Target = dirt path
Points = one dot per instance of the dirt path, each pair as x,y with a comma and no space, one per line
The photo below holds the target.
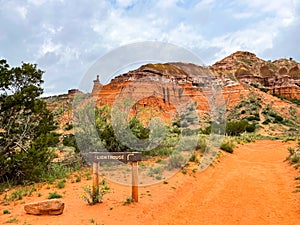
252,186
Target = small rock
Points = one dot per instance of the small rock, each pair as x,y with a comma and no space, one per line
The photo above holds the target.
47,207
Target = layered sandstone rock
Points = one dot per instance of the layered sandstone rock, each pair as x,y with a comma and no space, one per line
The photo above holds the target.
278,77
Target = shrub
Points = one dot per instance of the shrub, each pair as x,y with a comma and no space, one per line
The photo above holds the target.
53,195
61,184
294,155
6,211
155,170
295,159
227,146
128,201
176,161
158,177
235,128
69,140
250,128
202,143
94,197
194,158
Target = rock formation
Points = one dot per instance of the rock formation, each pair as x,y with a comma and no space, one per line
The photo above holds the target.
47,207
165,89
280,77
97,87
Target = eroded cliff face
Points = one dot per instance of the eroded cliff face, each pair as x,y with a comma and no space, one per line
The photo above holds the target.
164,90
167,89
278,77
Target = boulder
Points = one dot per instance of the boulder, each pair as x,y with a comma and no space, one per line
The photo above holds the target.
47,207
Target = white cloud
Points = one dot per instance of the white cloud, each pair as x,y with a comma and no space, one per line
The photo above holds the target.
243,15
37,2
49,47
63,35
22,11
167,3
265,22
126,3
205,4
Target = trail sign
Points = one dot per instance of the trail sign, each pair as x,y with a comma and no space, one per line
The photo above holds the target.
124,157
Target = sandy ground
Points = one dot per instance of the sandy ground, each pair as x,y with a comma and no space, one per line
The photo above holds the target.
252,186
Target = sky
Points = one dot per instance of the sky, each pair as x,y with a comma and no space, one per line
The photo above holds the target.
66,37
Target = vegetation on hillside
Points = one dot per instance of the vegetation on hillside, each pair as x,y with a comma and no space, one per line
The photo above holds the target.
25,123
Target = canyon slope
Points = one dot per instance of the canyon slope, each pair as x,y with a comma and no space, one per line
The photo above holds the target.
240,86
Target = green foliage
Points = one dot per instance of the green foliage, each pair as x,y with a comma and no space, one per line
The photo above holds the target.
6,211
53,195
201,143
160,151
254,85
194,158
155,171
176,161
12,220
70,141
69,126
19,193
227,146
61,184
293,100
189,117
95,196
57,171
236,128
92,221
128,201
294,155
24,152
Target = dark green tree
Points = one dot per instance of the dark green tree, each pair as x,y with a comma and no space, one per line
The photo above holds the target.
25,124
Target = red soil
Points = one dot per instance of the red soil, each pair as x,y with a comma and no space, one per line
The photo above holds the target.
252,186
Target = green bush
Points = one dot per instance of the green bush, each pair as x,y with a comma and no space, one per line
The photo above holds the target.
53,195
194,158
202,143
69,140
266,122
227,146
236,128
94,197
61,184
176,161
250,128
155,171
6,211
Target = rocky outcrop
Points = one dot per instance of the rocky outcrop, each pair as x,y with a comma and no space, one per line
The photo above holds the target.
47,207
97,87
166,89
278,77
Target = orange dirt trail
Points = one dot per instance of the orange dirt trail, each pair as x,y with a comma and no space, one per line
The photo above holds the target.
252,186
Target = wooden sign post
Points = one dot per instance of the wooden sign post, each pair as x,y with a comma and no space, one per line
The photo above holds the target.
95,178
124,157
135,182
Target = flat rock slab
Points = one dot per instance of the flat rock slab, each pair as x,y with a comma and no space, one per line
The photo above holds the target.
47,207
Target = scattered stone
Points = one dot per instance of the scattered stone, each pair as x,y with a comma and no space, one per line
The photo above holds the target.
47,207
